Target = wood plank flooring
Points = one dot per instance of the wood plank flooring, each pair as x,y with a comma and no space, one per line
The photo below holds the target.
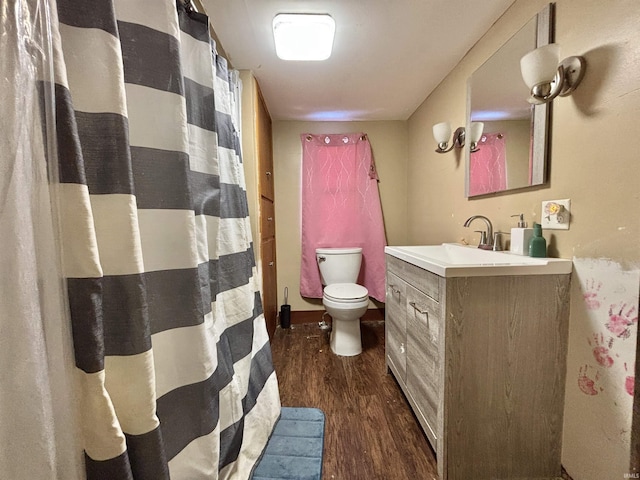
370,431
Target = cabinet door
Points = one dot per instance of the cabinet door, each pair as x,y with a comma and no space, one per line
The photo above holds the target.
264,155
396,325
267,219
265,149
423,364
269,303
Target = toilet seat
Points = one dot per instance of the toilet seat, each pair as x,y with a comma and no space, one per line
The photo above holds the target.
346,293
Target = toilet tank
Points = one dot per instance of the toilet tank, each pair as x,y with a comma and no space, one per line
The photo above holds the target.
339,265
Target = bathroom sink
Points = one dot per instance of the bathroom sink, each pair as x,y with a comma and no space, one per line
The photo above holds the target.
455,260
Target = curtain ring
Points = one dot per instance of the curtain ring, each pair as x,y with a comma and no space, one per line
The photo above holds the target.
309,137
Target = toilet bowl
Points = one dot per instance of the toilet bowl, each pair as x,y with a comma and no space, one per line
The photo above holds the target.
346,303
342,298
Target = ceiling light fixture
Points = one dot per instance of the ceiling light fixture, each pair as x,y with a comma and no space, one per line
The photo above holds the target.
302,36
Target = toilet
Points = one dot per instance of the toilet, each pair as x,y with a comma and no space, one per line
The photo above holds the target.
342,297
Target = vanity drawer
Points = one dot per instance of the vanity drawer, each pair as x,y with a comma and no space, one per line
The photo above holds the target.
423,335
426,282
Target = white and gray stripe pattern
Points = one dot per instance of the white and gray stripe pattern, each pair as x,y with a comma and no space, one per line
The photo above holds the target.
167,318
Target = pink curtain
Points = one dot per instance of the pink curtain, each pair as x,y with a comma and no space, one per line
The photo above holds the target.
341,208
487,167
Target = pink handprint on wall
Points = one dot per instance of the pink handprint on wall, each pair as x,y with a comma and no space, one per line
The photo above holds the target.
587,381
621,319
629,381
602,350
629,384
590,296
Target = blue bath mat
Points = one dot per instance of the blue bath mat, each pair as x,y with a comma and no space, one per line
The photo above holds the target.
294,450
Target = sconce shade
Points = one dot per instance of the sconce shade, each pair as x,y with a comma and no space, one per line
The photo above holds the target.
476,131
540,65
442,132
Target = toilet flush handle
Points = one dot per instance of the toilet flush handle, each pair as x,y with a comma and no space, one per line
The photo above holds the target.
321,258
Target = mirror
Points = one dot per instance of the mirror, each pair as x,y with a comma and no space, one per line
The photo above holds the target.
512,152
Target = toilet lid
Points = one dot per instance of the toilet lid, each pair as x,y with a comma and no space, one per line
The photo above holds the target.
346,292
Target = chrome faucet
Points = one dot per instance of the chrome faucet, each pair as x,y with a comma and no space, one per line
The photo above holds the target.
486,237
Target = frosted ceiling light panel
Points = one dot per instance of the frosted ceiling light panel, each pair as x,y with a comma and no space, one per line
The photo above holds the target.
303,36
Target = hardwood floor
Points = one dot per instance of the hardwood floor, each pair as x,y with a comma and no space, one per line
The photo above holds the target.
370,431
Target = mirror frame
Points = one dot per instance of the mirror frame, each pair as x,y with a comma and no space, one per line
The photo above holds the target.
540,119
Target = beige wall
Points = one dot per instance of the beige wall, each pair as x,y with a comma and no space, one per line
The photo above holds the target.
594,162
597,174
250,153
389,144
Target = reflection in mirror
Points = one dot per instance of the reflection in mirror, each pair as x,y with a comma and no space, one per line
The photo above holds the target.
512,150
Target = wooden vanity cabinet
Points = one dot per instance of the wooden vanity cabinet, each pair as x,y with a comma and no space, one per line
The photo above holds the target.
482,361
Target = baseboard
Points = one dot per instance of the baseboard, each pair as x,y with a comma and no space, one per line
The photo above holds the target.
300,317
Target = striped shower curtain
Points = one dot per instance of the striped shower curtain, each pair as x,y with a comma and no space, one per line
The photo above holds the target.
171,349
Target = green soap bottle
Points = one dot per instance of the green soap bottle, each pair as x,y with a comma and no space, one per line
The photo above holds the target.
537,244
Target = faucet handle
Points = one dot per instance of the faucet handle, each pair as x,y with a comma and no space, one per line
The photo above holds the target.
497,243
483,237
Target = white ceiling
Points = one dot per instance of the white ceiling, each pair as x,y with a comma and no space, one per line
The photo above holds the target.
388,55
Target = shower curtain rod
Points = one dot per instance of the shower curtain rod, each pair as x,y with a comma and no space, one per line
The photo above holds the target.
362,137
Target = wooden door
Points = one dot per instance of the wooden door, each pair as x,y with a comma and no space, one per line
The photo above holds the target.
267,219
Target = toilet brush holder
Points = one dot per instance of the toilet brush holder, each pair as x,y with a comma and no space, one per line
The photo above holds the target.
285,311
285,316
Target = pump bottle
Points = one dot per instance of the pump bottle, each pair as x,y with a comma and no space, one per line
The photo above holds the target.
520,237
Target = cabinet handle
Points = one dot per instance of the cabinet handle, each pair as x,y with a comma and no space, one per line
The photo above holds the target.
402,348
268,174
394,289
418,309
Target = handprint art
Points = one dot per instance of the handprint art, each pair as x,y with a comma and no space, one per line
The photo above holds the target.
621,318
602,350
588,380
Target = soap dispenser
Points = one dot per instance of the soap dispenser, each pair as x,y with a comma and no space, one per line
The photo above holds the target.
537,244
520,237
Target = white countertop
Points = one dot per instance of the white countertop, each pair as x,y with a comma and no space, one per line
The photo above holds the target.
455,260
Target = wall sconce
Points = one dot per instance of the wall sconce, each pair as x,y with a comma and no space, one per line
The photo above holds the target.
547,77
476,134
442,132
